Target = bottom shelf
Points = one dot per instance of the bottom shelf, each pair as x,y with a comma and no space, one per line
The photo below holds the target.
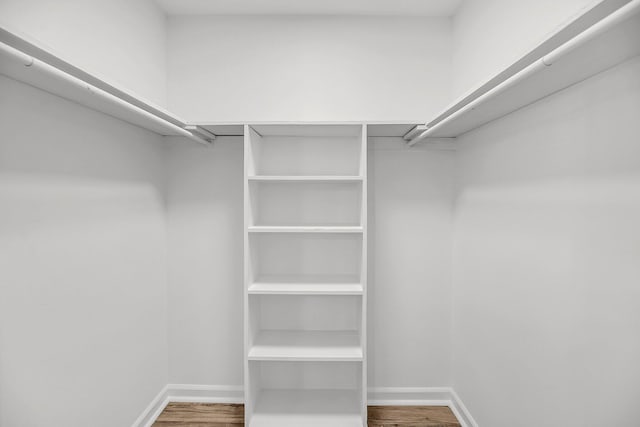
308,408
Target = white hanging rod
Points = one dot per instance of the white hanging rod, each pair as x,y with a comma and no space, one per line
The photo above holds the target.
594,31
40,74
548,60
33,48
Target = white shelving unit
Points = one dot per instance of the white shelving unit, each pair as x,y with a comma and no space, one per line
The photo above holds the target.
305,274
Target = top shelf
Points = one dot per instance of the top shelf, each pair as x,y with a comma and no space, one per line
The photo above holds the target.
308,130
386,129
552,66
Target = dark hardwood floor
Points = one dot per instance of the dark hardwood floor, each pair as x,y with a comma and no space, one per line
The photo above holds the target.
232,415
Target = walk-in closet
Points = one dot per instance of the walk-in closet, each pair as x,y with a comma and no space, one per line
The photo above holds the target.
305,213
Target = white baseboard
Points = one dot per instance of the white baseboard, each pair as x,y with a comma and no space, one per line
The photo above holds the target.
403,396
397,396
188,393
205,393
153,411
422,396
460,411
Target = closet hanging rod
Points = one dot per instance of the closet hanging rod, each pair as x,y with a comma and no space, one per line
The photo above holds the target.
594,31
44,76
33,48
600,27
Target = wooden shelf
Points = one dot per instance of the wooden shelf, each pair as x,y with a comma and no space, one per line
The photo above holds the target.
342,346
303,178
308,408
304,229
609,42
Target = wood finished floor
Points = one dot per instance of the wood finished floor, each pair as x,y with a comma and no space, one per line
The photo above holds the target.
232,415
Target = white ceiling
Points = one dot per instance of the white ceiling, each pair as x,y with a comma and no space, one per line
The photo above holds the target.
435,8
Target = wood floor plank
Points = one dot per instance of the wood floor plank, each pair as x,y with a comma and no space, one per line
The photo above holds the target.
213,414
232,415
188,424
411,416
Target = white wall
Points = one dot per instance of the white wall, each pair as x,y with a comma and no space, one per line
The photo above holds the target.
409,316
205,225
123,41
409,300
286,68
489,35
226,68
546,249
82,264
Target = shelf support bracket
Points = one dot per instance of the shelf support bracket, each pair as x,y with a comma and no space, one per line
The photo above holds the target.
413,132
201,132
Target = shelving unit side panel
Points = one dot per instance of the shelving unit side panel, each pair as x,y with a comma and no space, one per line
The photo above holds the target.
364,155
249,381
252,149
254,142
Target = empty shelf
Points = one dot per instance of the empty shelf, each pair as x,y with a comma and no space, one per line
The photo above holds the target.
306,289
307,346
339,284
304,229
303,178
308,408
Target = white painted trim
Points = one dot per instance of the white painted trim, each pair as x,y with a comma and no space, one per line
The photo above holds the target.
460,411
204,387
430,396
202,393
402,396
153,411
399,396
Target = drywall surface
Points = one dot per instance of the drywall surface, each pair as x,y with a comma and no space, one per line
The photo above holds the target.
82,264
122,41
409,293
303,68
205,229
410,211
546,250
489,35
